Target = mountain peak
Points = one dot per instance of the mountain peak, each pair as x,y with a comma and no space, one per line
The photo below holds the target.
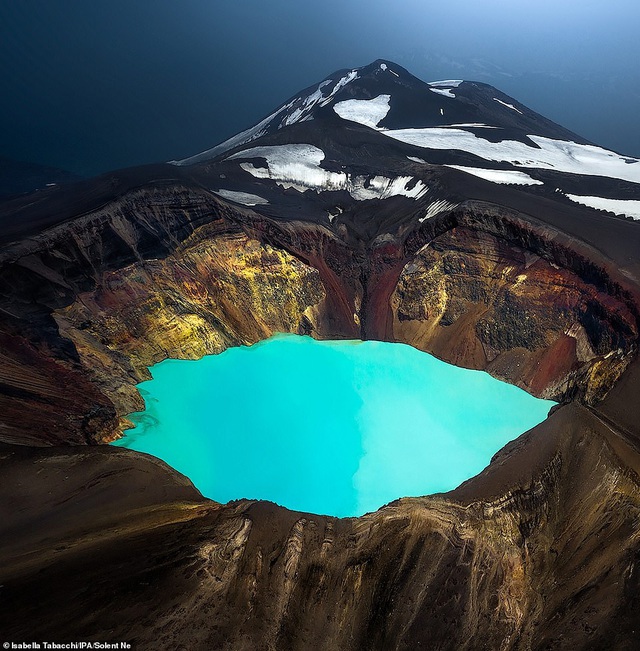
367,82
384,95
379,133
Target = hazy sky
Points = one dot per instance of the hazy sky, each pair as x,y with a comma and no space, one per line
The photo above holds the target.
92,85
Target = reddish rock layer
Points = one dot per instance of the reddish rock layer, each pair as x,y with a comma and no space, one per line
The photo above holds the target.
475,300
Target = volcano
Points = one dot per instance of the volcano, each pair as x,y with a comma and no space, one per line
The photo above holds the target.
371,205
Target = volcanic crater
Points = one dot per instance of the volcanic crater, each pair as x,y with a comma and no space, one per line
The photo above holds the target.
101,279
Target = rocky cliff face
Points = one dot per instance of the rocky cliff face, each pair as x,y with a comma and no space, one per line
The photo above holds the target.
186,281
41,371
477,300
213,292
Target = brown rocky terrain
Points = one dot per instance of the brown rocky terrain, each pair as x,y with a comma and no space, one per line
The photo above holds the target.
538,552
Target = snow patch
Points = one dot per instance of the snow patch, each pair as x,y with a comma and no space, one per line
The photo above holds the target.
443,91
476,125
436,208
508,177
511,106
302,113
292,166
331,216
364,111
383,66
297,166
417,160
380,187
278,155
244,198
342,82
298,115
560,155
446,83
627,207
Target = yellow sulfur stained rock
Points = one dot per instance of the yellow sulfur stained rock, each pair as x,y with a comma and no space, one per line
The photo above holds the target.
213,292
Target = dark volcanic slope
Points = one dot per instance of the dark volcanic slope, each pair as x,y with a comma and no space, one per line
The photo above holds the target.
372,205
29,215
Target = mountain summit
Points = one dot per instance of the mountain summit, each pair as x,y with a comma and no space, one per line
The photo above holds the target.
375,132
386,96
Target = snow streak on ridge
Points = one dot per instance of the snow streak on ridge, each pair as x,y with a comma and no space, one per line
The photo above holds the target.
302,107
245,198
510,106
626,207
508,177
436,208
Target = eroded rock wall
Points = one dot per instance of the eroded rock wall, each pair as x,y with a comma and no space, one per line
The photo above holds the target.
162,272
475,300
212,292
46,395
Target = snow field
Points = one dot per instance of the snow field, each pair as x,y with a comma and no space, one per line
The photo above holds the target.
364,111
298,166
560,155
626,207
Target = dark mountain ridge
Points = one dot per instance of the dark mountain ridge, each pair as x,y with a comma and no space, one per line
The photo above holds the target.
21,177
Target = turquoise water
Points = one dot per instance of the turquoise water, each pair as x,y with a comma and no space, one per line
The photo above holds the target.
338,428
